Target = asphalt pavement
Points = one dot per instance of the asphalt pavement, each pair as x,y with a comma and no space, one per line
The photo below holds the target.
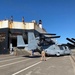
25,65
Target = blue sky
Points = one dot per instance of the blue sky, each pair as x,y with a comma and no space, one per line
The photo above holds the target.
58,16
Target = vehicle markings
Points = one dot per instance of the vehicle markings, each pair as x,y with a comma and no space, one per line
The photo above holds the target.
28,67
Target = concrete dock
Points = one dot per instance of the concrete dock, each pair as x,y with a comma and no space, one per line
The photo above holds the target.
27,65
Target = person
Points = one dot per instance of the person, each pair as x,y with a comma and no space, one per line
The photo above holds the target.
43,57
11,51
32,52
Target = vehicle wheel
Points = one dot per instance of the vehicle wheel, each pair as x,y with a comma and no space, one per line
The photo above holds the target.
58,54
69,54
47,55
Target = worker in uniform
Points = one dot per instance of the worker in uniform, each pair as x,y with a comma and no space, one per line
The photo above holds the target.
43,57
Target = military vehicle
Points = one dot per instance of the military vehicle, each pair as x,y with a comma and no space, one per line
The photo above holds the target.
43,41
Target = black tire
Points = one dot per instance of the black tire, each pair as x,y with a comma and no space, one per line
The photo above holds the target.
58,54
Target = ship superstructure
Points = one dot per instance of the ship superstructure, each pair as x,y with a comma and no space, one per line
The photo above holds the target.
9,30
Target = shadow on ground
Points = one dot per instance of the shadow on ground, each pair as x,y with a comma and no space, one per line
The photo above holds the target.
35,56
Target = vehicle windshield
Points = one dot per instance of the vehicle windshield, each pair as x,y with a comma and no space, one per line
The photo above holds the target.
61,47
